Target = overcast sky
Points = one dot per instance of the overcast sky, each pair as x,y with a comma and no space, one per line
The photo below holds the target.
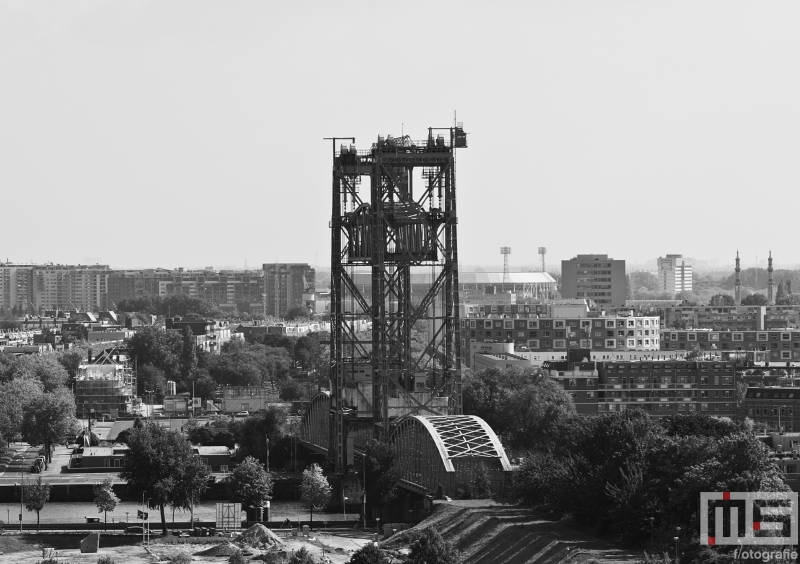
173,133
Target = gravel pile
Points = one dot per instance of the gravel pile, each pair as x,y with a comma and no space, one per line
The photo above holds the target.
257,536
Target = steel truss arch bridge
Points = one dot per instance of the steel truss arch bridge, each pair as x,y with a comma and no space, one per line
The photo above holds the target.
430,451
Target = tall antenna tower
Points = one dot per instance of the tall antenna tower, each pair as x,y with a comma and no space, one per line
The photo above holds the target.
505,251
542,252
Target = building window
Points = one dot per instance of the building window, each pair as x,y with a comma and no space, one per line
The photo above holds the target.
610,343
573,382
559,344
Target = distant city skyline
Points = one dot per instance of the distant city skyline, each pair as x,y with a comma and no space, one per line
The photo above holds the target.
153,133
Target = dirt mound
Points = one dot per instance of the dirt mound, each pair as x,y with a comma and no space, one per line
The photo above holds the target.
258,535
486,532
222,549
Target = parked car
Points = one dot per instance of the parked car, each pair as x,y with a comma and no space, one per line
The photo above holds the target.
243,414
38,465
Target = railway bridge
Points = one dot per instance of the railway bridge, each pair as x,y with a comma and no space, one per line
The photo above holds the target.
430,450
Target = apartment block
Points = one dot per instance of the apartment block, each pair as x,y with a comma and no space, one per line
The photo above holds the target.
601,334
661,388
594,277
732,318
16,285
70,287
674,275
776,344
288,285
765,404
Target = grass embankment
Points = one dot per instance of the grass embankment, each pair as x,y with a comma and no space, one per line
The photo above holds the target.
487,532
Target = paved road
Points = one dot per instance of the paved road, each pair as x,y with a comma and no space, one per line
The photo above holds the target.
22,457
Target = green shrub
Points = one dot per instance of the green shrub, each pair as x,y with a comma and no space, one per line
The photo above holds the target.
106,560
369,554
273,557
182,558
302,556
236,558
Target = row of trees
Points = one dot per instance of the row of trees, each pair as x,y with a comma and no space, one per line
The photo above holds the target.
170,355
181,305
633,477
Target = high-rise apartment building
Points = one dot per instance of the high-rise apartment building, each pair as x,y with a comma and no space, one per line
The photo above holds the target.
16,283
70,287
288,285
594,277
674,275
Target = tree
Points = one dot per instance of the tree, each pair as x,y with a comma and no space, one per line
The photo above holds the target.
71,361
431,548
104,498
521,405
14,396
252,433
291,390
295,312
49,418
45,369
722,300
369,554
616,471
382,475
756,299
188,355
158,348
302,556
313,355
315,490
36,496
780,294
481,486
202,436
151,379
249,484
160,462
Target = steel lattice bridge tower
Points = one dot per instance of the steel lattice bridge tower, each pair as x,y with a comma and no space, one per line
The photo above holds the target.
395,354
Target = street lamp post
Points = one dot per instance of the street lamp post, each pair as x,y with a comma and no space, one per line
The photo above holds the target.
21,489
676,549
652,519
364,493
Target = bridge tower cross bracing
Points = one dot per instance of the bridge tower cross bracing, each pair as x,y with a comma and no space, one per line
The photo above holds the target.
402,229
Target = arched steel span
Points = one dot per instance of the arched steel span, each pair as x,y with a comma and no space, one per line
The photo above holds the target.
430,451
315,423
447,450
